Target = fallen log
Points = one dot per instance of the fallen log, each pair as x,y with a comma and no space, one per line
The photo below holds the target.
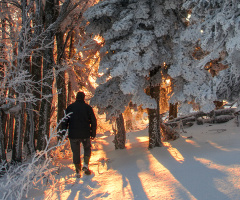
216,119
196,116
168,133
227,111
185,121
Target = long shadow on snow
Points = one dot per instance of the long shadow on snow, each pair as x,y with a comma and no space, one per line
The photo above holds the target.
85,188
130,169
193,175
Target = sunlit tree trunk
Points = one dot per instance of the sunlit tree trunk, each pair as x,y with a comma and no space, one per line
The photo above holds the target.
120,136
48,62
71,53
60,78
128,118
173,110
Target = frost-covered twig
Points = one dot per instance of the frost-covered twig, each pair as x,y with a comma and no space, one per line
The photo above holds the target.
20,178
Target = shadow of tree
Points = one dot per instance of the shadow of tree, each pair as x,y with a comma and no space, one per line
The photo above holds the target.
197,178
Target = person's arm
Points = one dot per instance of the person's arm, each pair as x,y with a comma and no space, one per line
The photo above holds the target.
93,122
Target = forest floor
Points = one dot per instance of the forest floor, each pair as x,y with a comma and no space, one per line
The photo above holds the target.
204,166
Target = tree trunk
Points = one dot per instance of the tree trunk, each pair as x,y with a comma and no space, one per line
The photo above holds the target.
48,62
71,53
173,111
154,116
61,87
3,64
11,126
69,93
10,132
168,133
37,62
2,146
218,104
128,118
22,64
120,137
29,133
18,135
154,129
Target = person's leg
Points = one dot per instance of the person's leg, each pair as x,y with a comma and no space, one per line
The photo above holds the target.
87,154
75,146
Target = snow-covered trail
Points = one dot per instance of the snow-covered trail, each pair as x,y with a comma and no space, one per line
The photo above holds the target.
206,166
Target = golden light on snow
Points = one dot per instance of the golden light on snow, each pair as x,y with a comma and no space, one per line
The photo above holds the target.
158,182
142,139
192,143
218,146
174,152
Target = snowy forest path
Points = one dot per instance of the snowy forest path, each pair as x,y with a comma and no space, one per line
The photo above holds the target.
202,167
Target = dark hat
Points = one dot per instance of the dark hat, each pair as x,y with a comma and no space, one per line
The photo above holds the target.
80,96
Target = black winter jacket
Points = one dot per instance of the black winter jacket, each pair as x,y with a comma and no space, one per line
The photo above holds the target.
81,122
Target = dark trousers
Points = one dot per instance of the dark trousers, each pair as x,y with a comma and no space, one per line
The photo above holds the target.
75,146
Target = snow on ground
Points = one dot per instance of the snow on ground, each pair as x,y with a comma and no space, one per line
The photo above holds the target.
206,166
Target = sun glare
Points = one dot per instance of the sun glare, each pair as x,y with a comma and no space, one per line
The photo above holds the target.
99,39
142,139
188,17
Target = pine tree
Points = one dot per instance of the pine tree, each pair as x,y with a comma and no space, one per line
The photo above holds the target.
203,51
138,39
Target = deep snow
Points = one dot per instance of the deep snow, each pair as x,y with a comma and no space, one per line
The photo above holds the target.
206,166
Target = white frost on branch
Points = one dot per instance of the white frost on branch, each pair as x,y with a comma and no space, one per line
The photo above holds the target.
20,178
136,34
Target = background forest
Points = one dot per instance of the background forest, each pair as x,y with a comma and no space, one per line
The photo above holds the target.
159,57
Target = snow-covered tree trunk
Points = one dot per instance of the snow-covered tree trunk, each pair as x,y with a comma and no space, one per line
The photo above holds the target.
154,115
154,128
48,62
120,137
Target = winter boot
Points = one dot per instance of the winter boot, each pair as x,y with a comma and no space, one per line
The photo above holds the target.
85,166
78,170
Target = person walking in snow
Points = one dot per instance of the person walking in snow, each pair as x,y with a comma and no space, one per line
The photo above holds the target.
82,125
